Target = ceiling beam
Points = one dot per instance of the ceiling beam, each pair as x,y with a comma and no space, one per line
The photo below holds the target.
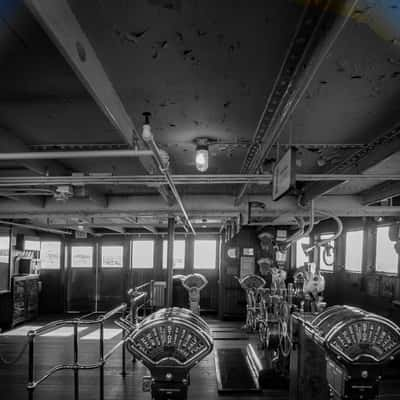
12,143
62,26
35,227
149,228
115,228
379,149
198,206
315,35
380,192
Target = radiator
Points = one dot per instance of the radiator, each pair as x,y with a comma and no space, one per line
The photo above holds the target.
159,293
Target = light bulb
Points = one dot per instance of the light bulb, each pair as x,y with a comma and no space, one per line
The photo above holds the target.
202,159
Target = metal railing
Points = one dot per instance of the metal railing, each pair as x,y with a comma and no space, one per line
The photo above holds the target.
141,298
34,382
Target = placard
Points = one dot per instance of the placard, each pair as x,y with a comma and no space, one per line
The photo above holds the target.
284,174
81,235
247,266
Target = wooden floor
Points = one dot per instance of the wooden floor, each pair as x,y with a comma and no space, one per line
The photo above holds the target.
53,350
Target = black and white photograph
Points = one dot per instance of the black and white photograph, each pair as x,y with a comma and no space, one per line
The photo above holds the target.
200,199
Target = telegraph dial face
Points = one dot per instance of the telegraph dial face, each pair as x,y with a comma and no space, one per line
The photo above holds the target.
169,337
369,339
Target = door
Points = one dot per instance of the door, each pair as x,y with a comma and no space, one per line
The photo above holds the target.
81,277
205,262
51,276
113,267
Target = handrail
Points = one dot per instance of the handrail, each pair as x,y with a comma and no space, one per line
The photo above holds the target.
76,365
141,287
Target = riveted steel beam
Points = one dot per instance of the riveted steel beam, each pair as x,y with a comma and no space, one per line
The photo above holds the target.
63,28
374,152
315,35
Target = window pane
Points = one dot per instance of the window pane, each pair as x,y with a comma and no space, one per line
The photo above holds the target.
4,249
354,250
111,256
386,256
32,245
302,257
179,254
205,254
82,257
50,254
142,254
330,258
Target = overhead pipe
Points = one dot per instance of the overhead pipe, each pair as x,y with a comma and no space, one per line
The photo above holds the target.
35,227
293,238
177,179
333,237
57,155
163,167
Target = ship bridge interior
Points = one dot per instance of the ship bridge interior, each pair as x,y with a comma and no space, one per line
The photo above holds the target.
229,170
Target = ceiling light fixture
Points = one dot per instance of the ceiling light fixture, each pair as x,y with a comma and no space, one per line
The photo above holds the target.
202,154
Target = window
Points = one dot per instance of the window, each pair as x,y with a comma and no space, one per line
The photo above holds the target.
329,257
354,250
32,245
179,254
386,256
302,257
205,254
50,254
4,249
112,256
81,256
142,254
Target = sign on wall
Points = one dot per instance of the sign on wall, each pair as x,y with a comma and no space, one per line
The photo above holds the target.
284,174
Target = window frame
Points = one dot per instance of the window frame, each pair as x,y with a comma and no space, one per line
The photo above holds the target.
59,255
32,240
164,257
214,268
132,254
376,254
320,237
296,252
73,246
8,248
111,267
354,271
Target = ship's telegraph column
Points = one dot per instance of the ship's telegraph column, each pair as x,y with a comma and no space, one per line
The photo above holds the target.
356,345
170,342
251,284
194,284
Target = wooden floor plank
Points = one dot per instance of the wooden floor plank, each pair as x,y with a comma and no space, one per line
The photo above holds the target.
52,350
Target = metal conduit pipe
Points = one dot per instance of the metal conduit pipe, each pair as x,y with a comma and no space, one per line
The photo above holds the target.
293,238
334,237
56,155
149,139
35,227
177,179
310,224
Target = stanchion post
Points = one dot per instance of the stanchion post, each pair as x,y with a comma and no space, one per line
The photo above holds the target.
170,259
151,294
76,361
101,360
123,354
31,365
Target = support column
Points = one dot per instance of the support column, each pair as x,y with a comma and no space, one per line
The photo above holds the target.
170,259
